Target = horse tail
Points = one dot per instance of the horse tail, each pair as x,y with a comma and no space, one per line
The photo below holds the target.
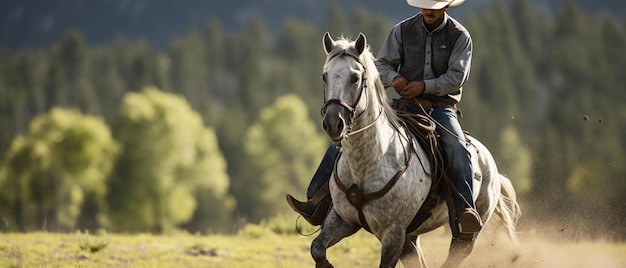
508,210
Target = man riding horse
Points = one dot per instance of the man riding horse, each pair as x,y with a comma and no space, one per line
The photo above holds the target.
426,59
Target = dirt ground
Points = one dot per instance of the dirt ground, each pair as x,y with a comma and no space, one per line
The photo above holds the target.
533,249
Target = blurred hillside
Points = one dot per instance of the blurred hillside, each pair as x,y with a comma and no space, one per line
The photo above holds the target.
37,23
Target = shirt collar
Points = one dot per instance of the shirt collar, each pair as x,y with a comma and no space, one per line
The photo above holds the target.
443,22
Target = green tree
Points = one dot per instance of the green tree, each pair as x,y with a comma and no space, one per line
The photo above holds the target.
302,56
75,90
496,66
375,27
107,81
5,103
23,79
188,70
534,29
65,157
139,65
168,156
230,131
285,149
254,66
514,159
221,81
214,204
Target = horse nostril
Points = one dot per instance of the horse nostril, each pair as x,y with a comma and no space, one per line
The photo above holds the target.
332,125
339,124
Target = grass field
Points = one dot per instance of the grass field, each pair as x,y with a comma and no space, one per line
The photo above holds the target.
259,247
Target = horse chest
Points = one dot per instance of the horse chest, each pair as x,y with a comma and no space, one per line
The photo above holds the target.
381,210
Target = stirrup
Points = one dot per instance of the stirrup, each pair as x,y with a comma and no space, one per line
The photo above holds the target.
305,209
314,214
321,211
469,224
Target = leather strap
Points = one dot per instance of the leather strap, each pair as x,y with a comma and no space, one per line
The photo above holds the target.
356,197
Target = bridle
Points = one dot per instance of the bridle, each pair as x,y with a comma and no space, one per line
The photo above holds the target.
363,88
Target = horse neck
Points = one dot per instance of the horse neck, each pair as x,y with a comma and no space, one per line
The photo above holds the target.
363,150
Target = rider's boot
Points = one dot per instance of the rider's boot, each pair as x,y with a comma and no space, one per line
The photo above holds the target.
469,224
315,209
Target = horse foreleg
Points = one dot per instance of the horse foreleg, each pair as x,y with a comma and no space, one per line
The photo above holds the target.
412,255
392,241
459,250
333,230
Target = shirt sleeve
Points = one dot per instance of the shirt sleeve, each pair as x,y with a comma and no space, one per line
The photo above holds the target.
458,69
389,56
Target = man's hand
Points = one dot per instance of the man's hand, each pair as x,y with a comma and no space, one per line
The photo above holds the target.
414,89
406,89
399,83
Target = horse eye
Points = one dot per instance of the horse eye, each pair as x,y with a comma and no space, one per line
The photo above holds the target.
354,78
324,76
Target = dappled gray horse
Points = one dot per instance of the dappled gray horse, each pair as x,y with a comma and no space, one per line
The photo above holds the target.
378,155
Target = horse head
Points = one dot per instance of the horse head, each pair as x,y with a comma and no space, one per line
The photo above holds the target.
345,84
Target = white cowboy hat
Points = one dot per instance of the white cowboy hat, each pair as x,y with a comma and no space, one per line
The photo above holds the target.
434,4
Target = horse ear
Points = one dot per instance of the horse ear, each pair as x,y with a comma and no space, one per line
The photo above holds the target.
328,42
360,44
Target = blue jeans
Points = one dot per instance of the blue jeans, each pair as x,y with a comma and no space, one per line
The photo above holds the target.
324,170
457,158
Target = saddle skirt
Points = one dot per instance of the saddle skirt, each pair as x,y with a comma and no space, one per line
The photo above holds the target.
422,128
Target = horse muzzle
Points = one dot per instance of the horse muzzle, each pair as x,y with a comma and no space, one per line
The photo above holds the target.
336,123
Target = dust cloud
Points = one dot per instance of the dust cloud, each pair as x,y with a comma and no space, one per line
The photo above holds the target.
533,249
